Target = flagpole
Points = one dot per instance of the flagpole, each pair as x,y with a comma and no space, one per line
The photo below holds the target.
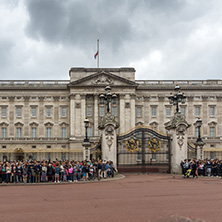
98,53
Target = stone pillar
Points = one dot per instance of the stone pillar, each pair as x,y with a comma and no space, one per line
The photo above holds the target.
177,128
122,113
200,153
96,114
72,117
109,143
132,110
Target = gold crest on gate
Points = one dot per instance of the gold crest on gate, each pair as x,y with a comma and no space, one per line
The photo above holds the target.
132,145
154,144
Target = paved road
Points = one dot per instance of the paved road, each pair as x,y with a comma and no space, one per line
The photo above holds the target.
134,198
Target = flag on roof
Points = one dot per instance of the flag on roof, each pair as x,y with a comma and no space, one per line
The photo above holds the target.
96,54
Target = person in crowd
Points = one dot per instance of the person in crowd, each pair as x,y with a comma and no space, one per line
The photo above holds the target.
50,172
25,173
44,172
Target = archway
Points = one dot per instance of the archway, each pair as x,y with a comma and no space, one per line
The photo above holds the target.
19,154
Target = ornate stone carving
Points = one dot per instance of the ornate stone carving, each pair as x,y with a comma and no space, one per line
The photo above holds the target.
26,98
56,98
103,80
41,98
78,105
190,98
108,119
127,105
11,98
109,133
180,132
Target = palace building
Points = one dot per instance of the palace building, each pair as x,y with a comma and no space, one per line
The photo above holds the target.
41,119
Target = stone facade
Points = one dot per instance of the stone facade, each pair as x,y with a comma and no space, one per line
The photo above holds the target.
45,119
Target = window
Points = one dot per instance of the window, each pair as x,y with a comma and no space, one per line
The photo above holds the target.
212,111
183,110
4,132
212,131
48,147
48,111
3,147
212,155
101,111
114,110
168,111
196,131
19,132
33,147
48,132
34,113
63,111
34,132
4,111
197,111
19,111
89,111
89,131
63,132
49,156
153,156
153,111
139,112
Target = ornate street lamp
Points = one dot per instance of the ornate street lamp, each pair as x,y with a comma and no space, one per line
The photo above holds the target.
177,98
86,122
199,141
108,97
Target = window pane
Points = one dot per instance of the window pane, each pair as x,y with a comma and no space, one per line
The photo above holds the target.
48,111
4,132
114,110
212,132
153,111
34,132
48,132
182,110
63,111
168,111
196,131
33,111
212,111
4,111
19,111
89,111
101,110
89,131
139,112
63,132
19,132
197,111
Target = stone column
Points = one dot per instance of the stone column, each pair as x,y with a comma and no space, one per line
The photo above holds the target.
132,110
26,116
96,114
177,128
11,116
72,117
83,113
122,113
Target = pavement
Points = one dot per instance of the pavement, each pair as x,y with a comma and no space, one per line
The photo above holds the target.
133,197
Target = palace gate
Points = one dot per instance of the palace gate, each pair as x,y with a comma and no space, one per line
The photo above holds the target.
143,150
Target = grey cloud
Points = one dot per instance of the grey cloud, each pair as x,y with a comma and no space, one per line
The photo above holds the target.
5,52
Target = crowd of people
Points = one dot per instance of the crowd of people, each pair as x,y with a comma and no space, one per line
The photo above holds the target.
54,171
207,167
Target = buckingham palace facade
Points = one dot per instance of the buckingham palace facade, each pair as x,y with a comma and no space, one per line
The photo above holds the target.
42,119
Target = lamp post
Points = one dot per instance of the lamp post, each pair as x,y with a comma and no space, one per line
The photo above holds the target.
62,154
86,122
177,98
199,141
86,143
108,97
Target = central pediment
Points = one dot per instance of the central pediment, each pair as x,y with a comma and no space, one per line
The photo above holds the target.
102,78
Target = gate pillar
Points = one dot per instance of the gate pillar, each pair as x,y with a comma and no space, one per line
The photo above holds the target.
108,127
177,127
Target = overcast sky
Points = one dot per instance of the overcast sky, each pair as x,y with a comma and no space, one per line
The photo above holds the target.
161,39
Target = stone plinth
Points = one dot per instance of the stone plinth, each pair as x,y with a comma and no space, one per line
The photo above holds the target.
109,146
